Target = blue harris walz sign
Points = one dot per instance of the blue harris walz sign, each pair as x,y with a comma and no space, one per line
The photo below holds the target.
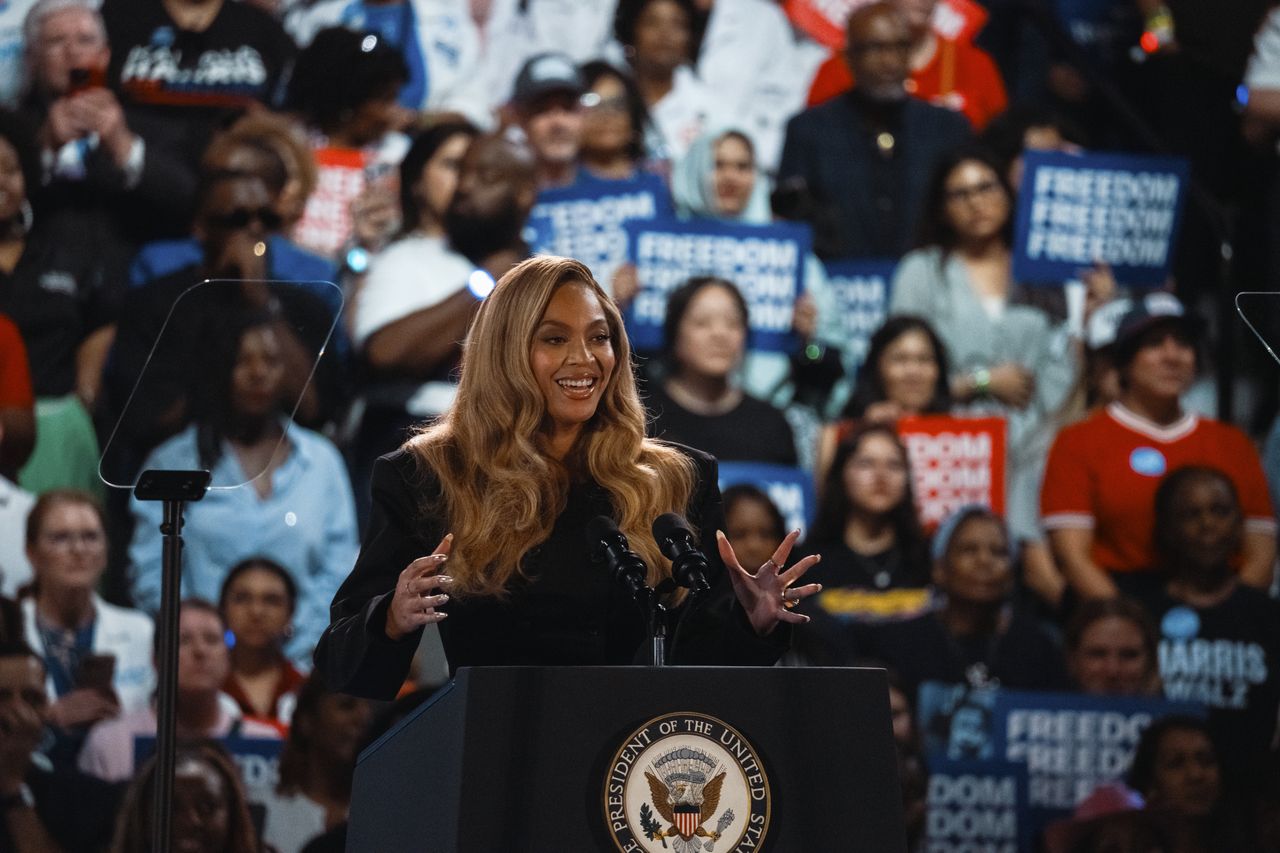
766,262
1075,210
586,221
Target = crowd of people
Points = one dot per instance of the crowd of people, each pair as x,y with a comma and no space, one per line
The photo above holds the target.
346,180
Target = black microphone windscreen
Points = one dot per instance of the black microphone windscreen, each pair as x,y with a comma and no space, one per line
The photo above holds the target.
601,527
667,526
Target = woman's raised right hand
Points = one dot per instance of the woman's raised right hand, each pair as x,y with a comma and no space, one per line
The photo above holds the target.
420,591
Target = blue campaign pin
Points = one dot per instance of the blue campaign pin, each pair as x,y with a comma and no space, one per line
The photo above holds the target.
1180,623
1148,462
163,36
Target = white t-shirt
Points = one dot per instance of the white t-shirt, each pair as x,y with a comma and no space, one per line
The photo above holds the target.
689,110
580,29
753,61
413,273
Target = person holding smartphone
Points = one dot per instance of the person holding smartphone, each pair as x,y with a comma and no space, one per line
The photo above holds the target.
97,656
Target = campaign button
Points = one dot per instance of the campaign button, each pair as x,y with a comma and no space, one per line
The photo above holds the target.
1180,623
1148,462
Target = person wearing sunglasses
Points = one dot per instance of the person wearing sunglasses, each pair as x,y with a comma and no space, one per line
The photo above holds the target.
233,225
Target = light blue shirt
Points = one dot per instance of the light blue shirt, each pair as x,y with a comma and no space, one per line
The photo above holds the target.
307,524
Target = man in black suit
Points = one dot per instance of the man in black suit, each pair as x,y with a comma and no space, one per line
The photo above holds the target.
865,156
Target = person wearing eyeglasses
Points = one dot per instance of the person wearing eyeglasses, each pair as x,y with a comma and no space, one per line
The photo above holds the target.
97,656
614,125
1008,357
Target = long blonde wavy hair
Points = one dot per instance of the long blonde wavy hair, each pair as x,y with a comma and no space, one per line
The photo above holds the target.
500,490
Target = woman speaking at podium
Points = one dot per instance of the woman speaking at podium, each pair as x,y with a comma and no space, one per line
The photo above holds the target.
479,521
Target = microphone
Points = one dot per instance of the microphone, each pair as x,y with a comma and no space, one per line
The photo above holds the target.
609,546
689,566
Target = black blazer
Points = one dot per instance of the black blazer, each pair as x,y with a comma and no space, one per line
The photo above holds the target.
832,148
564,610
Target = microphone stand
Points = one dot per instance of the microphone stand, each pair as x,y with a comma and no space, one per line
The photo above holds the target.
173,489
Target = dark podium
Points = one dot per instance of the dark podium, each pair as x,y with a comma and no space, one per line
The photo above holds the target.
511,759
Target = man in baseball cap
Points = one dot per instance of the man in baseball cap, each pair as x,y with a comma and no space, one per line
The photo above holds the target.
546,102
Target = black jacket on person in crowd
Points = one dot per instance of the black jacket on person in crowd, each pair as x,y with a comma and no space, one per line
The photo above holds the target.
876,200
562,610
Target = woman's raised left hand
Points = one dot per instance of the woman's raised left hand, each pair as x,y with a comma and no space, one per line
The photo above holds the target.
768,595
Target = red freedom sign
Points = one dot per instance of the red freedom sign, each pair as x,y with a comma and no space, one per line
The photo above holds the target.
823,20
954,461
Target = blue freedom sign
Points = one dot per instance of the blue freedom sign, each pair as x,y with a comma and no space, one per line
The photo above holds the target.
1071,743
766,262
1075,210
586,221
790,489
861,291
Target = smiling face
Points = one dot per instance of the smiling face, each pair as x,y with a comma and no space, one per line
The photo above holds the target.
1111,659
70,549
909,371
572,359
734,176
712,336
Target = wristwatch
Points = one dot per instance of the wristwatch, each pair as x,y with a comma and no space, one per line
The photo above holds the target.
19,799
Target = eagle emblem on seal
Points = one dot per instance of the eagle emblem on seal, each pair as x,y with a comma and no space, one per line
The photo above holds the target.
684,785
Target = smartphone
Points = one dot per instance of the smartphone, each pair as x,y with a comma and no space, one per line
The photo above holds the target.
97,672
80,79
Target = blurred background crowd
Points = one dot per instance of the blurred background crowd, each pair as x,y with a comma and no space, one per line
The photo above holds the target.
354,174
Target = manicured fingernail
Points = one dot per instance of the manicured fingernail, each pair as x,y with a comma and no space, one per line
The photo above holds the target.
446,579
448,537
444,597
719,534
